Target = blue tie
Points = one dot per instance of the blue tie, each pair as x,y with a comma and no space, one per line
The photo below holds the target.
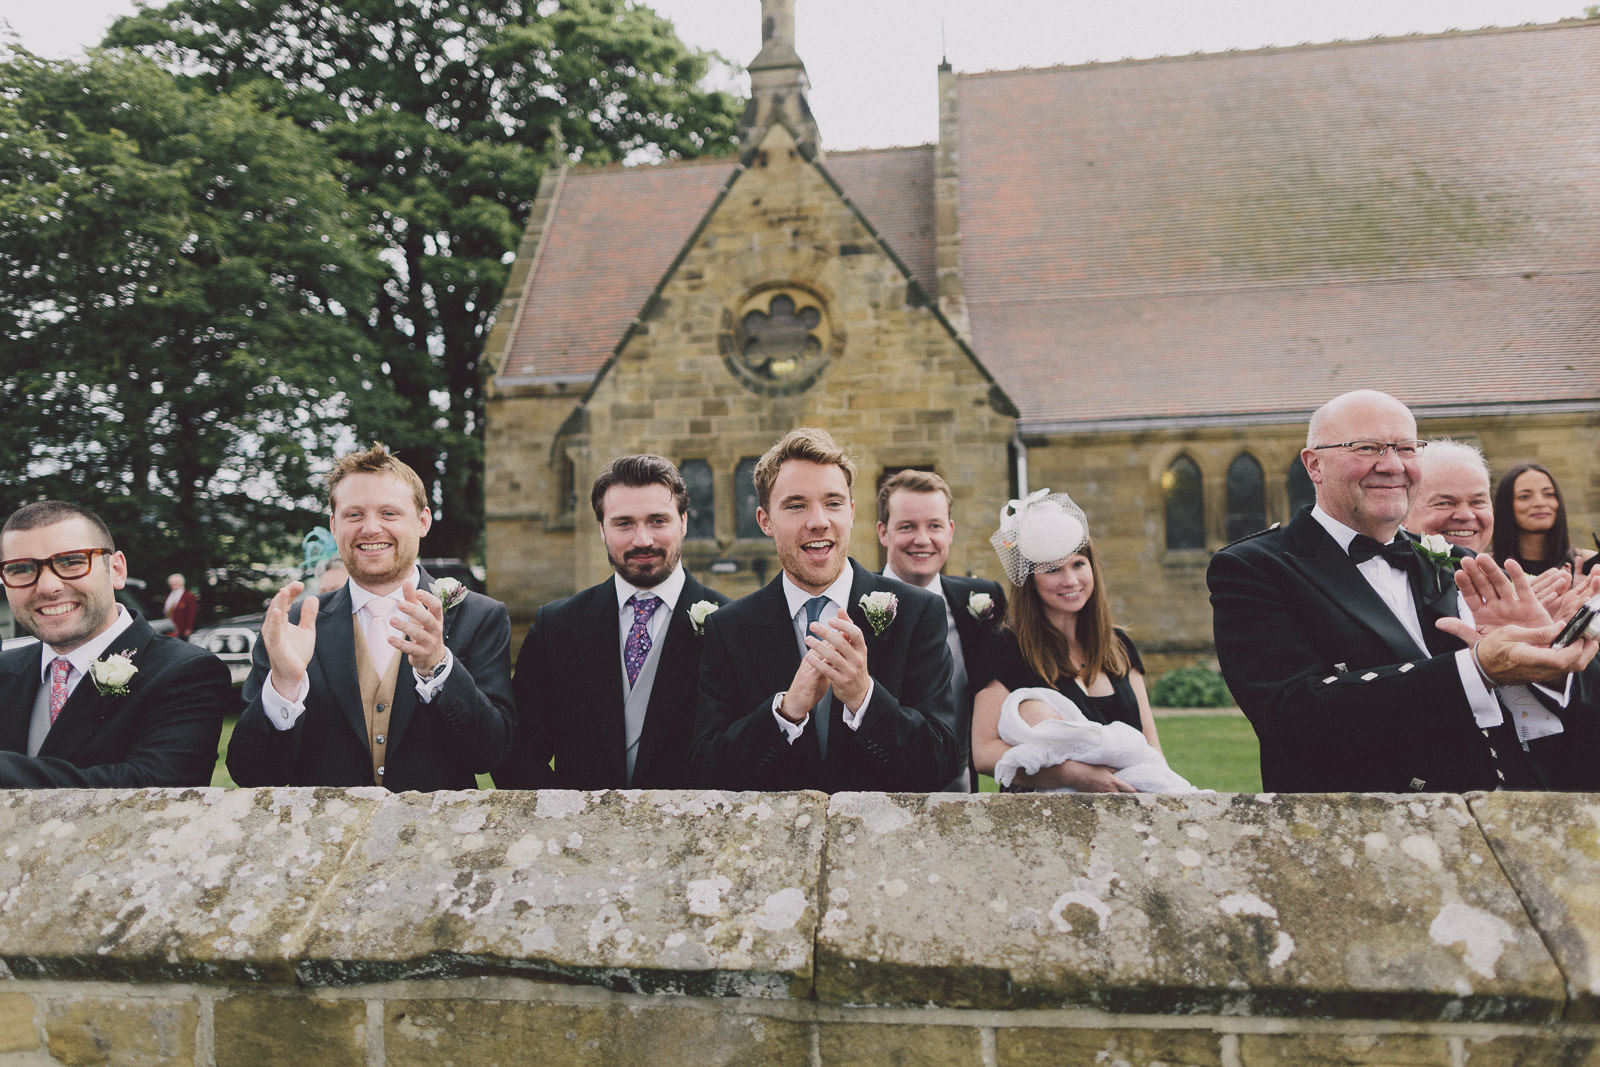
819,714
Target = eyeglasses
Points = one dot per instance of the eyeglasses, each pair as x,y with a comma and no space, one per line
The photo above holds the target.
23,572
1377,449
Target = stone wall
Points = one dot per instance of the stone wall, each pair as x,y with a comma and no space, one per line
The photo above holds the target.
217,927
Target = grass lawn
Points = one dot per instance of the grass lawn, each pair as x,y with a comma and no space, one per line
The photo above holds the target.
1212,751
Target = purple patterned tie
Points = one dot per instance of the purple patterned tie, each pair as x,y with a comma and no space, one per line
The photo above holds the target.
637,648
59,669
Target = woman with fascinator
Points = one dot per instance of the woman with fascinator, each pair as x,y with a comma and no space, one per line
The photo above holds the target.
1060,647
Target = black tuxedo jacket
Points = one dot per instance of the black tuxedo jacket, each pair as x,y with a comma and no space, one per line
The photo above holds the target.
163,732
1339,695
465,730
904,743
568,688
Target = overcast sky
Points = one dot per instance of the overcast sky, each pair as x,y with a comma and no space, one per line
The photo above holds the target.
873,63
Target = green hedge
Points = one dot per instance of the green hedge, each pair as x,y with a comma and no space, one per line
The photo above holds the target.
1190,687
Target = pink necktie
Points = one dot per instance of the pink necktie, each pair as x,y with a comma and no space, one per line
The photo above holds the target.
377,631
59,669
637,647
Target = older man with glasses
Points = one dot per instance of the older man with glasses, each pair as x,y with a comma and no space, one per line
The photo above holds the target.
1362,662
102,701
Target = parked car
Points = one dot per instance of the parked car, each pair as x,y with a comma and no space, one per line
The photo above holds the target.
232,641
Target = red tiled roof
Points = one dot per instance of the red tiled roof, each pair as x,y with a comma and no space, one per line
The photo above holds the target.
893,190
615,231
610,238
1259,231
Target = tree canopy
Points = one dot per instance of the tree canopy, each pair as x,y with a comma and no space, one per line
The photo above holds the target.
443,114
174,267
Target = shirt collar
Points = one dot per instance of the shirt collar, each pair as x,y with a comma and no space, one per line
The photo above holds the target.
1338,530
90,650
360,598
838,592
933,585
670,588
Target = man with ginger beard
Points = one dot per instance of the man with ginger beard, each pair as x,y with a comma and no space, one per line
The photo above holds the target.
802,686
391,680
1366,664
606,680
1454,500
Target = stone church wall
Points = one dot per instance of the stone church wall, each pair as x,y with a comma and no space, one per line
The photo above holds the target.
332,927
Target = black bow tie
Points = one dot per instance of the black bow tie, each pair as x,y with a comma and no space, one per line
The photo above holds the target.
1398,553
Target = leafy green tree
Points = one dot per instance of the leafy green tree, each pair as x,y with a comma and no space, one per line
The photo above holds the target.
444,113
173,265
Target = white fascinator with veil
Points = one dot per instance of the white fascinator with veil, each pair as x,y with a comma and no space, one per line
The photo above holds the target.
1040,529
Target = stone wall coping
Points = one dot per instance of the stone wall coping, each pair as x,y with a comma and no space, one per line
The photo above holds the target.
1418,909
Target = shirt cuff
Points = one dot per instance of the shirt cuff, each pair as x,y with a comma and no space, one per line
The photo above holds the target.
1485,708
852,719
428,687
283,713
791,730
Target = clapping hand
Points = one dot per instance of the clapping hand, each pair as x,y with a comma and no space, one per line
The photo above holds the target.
289,645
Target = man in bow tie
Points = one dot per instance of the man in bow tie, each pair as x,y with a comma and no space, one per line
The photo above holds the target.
380,682
102,701
606,679
801,686
1362,666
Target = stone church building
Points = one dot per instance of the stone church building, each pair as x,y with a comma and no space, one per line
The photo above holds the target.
1130,281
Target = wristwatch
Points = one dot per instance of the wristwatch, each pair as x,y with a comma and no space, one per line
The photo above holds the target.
438,668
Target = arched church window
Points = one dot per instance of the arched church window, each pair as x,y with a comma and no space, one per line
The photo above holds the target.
702,499
1247,497
1185,500
1302,490
744,495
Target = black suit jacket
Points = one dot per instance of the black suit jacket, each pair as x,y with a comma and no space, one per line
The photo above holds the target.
975,635
904,743
442,745
163,732
569,696
1339,695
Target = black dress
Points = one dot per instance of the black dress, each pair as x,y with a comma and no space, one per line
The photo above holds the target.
1121,705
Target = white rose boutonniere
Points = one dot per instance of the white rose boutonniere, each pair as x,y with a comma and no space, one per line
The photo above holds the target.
879,608
981,606
112,674
699,611
449,591
1435,551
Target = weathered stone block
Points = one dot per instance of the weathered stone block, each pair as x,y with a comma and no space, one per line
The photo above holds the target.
701,893
427,1033
1041,1047
1344,1050
121,1032
1549,846
250,1031
167,884
1364,906
1532,1050
17,1032
900,1045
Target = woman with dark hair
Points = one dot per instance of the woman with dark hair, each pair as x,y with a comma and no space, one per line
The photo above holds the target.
1530,521
1059,635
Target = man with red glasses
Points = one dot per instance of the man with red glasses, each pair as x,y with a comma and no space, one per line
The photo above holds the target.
102,701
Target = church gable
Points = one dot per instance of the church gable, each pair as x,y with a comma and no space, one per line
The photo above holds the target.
788,311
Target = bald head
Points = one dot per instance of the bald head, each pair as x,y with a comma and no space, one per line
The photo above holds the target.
1372,494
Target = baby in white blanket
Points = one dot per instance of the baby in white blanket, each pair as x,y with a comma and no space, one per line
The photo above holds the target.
1052,728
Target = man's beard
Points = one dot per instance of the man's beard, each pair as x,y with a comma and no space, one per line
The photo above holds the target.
645,569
